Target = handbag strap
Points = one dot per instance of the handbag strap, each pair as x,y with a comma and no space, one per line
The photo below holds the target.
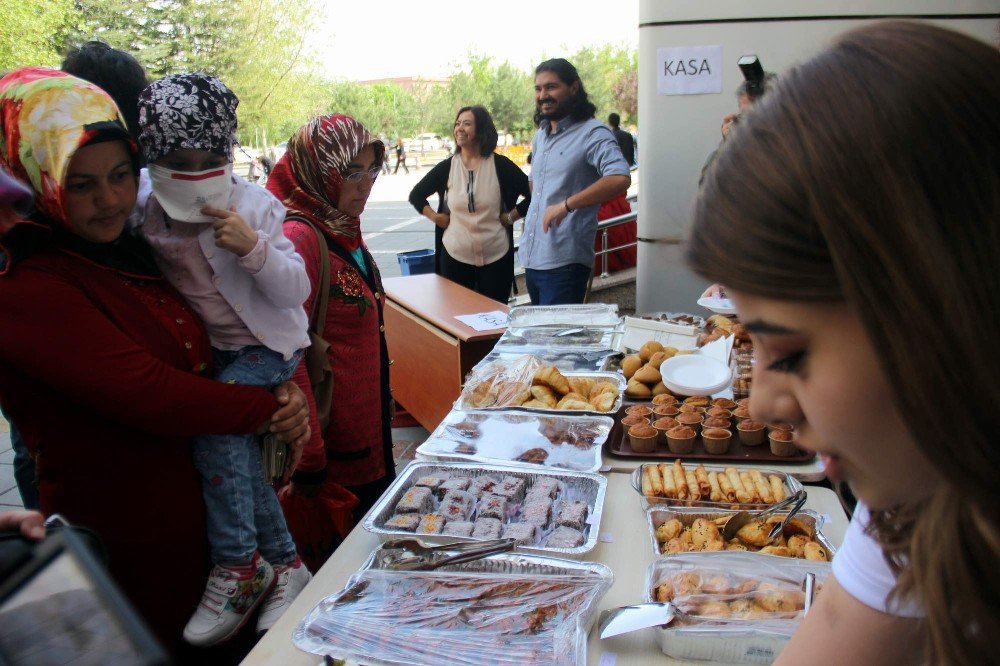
317,317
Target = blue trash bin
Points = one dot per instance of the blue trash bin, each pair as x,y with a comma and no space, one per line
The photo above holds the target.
416,262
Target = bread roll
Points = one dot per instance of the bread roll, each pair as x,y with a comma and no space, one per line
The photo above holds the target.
647,350
647,374
630,364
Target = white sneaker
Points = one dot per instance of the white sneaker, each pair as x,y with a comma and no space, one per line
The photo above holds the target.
229,600
291,578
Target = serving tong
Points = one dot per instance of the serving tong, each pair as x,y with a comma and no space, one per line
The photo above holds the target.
741,518
416,555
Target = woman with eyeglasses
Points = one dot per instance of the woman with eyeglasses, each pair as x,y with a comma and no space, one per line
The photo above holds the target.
477,192
324,180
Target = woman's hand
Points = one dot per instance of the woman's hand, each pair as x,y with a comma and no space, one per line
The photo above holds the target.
28,523
291,422
442,220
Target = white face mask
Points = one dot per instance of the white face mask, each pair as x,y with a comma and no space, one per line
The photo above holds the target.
184,193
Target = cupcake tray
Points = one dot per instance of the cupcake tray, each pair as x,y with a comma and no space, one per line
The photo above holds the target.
619,447
590,488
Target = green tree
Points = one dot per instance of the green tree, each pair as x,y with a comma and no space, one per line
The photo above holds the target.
601,69
502,88
33,32
257,47
384,108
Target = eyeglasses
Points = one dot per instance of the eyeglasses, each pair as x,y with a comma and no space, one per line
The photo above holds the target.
358,175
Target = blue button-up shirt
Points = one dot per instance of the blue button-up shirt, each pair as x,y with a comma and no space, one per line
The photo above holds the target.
564,162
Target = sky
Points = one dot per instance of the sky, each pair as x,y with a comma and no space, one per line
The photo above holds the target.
373,39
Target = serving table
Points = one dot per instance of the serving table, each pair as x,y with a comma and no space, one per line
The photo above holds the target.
624,546
432,352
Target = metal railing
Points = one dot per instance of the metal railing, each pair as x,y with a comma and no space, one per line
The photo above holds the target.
602,228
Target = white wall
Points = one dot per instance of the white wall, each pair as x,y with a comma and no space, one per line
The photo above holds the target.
678,132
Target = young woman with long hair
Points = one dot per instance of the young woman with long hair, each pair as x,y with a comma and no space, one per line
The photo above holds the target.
854,218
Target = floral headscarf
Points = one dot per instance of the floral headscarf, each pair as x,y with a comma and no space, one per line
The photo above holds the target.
308,178
192,111
45,117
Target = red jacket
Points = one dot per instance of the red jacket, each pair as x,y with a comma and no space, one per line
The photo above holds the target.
358,441
97,372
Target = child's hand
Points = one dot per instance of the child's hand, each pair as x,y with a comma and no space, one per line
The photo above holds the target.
231,231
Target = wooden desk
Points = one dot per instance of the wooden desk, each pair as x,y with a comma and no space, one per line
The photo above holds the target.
431,350
628,555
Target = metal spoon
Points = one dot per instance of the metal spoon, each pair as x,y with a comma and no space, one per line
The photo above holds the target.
622,620
741,518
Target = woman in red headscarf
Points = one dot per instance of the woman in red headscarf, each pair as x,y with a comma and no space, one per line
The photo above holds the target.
324,180
103,366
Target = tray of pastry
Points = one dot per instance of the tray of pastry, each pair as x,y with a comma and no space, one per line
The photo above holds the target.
591,315
733,607
711,486
548,512
687,529
504,437
525,383
507,610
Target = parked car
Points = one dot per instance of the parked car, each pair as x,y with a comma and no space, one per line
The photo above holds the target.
425,142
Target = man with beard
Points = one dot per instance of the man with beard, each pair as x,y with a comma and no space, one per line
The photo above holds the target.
576,165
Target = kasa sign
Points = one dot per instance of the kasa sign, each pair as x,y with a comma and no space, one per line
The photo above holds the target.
689,70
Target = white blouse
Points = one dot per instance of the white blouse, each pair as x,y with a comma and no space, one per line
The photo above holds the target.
475,234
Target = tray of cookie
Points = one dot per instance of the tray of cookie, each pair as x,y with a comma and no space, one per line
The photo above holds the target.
550,512
685,529
732,607
507,610
711,486
526,383
563,442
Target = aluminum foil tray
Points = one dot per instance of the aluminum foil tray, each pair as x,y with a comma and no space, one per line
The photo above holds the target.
569,442
612,377
590,488
687,515
735,641
792,486
504,610
595,314
575,360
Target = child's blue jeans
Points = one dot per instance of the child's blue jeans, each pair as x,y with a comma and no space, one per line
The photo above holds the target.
243,513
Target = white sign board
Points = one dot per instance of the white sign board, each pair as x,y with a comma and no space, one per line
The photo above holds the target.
689,70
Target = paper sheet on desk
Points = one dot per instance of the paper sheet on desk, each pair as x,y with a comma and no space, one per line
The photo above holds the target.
485,321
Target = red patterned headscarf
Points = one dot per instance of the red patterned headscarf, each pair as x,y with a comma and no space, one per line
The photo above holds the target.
308,178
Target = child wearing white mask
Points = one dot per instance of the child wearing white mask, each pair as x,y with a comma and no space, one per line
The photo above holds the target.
218,240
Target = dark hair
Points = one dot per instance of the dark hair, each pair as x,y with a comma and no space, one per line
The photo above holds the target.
614,120
580,108
486,131
116,72
887,198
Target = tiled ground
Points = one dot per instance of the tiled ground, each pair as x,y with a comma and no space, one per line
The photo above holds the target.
9,497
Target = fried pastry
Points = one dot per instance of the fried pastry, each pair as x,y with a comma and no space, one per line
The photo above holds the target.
575,404
604,402
647,374
630,364
551,377
544,394
603,387
647,350
581,385
636,389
